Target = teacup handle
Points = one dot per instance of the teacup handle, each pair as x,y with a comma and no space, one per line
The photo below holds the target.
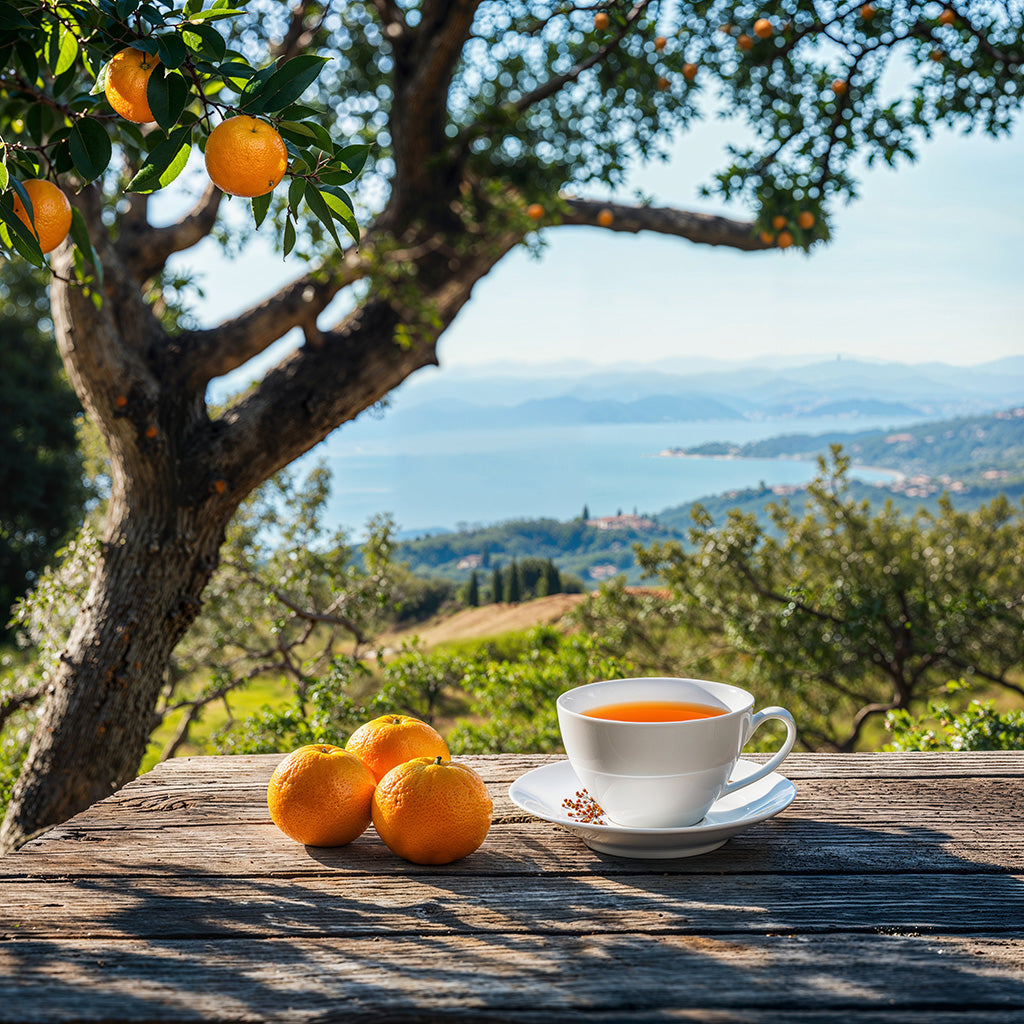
765,715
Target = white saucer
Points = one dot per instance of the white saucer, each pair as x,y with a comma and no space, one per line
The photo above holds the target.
540,792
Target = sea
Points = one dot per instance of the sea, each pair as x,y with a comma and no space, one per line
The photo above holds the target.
435,480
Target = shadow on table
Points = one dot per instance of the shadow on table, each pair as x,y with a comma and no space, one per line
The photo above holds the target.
889,921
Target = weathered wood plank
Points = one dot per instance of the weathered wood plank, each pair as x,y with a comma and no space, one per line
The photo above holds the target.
506,767
505,977
346,906
877,825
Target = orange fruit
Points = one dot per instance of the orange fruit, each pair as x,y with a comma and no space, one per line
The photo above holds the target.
51,210
744,42
806,220
778,222
245,156
391,740
947,17
763,28
432,811
600,21
320,795
660,43
937,56
606,218
726,28
127,77
839,87
663,84
767,237
785,240
867,12
535,211
689,72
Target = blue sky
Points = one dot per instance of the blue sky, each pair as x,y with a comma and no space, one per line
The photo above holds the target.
926,264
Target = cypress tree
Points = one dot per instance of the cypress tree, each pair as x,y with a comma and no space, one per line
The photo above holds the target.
496,585
513,585
473,593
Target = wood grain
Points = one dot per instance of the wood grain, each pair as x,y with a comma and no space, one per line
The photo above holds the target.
892,890
499,977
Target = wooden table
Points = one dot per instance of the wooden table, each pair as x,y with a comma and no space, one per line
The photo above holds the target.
892,889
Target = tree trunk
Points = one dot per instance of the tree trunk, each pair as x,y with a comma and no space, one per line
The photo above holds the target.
99,711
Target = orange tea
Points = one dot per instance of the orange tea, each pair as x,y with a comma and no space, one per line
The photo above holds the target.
654,711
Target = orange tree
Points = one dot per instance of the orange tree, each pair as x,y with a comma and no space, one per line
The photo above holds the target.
484,121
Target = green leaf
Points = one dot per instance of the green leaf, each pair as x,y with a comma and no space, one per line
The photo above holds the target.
260,206
167,94
353,157
62,49
4,176
205,40
286,84
27,56
164,163
289,236
341,207
80,236
15,232
172,50
316,202
214,14
90,148
126,7
295,192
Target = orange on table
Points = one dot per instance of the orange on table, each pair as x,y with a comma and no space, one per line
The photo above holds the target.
245,156
127,77
320,795
51,210
432,811
391,740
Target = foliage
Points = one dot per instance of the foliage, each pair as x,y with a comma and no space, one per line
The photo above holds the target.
56,120
42,491
849,612
513,690
503,693
978,726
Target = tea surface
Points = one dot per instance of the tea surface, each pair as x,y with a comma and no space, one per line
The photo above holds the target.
653,711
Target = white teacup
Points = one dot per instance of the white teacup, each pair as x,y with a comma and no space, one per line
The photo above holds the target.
662,774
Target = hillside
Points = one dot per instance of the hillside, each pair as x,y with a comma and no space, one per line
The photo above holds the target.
973,450
973,459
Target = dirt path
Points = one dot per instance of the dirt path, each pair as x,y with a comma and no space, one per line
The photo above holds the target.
489,620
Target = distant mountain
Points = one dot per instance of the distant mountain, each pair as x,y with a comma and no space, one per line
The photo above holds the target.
475,400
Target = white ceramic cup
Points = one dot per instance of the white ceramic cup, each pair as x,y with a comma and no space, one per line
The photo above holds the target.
662,774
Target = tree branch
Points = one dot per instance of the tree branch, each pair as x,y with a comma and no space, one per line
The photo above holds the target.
315,389
219,350
298,37
391,17
146,249
703,228
557,82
